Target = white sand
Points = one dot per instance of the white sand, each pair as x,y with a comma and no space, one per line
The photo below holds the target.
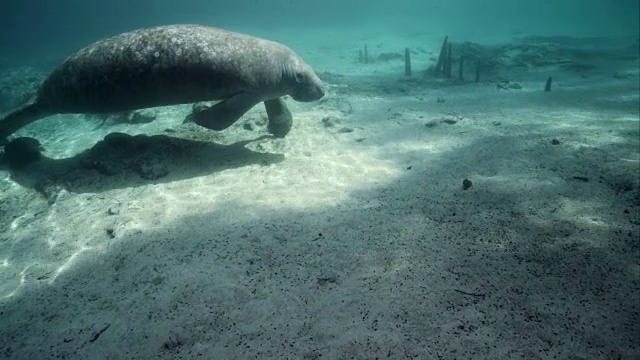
334,245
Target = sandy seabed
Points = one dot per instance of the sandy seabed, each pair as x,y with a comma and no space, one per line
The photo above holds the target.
351,238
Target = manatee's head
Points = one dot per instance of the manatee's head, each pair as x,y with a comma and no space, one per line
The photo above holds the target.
302,82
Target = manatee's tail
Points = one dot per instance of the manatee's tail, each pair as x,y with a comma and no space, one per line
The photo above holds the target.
20,118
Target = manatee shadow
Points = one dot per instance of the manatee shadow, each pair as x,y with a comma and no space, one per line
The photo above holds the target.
122,160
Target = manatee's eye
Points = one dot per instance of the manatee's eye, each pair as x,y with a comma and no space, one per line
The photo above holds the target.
299,77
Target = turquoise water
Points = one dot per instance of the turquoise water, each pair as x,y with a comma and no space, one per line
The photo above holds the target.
28,27
490,213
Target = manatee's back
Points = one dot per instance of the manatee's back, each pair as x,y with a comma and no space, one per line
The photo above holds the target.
153,67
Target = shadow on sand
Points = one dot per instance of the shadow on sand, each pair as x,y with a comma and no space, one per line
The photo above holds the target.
122,160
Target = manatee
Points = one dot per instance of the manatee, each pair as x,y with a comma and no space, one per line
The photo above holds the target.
175,64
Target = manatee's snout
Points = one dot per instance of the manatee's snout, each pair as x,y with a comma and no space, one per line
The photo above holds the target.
305,86
317,89
311,89
321,89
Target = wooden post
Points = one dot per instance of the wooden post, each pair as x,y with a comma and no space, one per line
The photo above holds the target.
547,86
407,62
442,57
366,54
449,62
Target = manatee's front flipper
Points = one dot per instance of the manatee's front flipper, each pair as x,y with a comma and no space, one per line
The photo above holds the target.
223,114
19,118
280,118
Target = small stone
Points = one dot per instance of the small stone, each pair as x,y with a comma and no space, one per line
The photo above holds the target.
330,121
345,130
143,116
113,211
440,99
328,277
555,142
466,184
200,106
431,123
195,109
514,85
450,119
250,125
111,232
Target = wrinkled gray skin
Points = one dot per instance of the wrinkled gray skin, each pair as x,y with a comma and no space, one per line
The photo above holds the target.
176,64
